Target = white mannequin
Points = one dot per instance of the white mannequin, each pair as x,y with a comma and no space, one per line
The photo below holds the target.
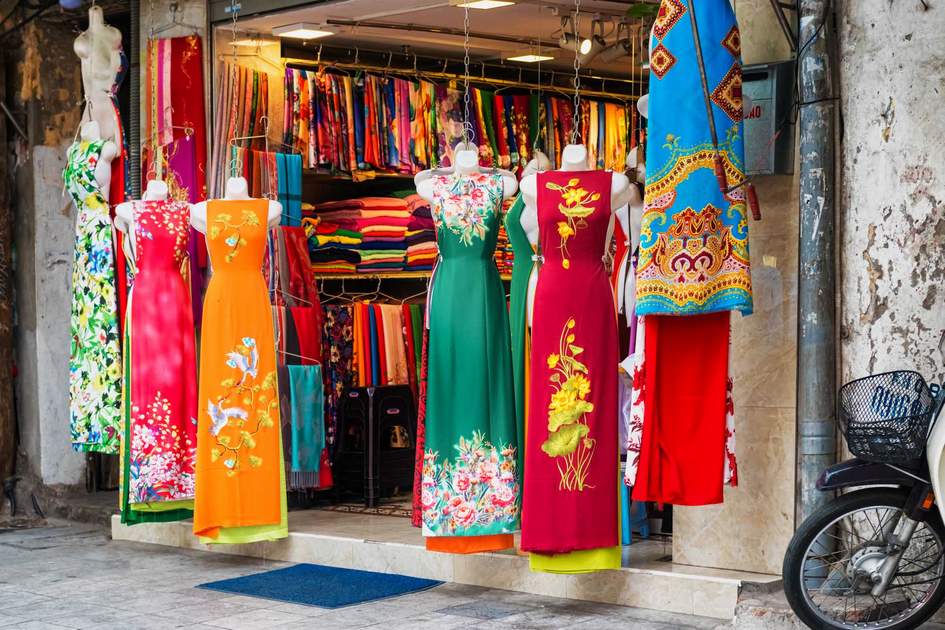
573,158
631,220
236,188
156,190
529,222
99,49
91,132
465,162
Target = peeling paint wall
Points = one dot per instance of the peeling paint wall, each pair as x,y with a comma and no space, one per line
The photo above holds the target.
49,92
892,208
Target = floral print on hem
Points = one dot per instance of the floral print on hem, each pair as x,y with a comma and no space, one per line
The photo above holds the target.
475,495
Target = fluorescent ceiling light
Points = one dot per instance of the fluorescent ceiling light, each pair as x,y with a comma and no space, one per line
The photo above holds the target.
529,55
302,30
252,40
530,58
481,4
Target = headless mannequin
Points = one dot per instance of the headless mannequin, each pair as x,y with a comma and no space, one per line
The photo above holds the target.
631,220
236,188
90,131
573,158
125,212
465,162
99,49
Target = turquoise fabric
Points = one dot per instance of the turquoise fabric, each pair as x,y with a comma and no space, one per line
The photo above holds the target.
308,413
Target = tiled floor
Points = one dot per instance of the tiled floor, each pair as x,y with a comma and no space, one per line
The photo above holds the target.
69,576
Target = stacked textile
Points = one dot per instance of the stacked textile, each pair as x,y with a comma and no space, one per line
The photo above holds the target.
349,124
503,252
332,248
421,235
381,223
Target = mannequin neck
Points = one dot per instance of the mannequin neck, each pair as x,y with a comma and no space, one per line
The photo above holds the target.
537,164
465,158
236,188
155,191
574,158
91,131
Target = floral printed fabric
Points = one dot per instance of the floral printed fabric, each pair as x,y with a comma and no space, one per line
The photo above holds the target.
475,495
162,403
463,205
95,353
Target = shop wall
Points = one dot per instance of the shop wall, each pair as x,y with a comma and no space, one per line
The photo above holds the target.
751,530
892,199
47,84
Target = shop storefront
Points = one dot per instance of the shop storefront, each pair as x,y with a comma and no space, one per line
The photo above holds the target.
433,348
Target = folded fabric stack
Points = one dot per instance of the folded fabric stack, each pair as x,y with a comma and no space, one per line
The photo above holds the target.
332,248
382,223
421,235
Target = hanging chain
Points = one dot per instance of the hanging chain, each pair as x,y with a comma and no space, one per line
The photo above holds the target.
576,116
538,128
467,126
234,11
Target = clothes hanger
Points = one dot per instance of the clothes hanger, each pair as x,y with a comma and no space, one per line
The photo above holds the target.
413,297
300,356
176,22
294,297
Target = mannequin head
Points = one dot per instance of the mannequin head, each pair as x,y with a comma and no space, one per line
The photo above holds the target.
465,158
643,105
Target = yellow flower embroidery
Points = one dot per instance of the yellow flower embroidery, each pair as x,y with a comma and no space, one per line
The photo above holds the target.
234,238
569,441
575,209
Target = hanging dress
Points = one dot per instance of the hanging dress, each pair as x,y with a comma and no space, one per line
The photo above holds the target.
160,398
471,486
241,478
571,459
522,265
694,256
95,354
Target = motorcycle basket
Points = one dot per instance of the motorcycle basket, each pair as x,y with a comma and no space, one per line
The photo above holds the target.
885,417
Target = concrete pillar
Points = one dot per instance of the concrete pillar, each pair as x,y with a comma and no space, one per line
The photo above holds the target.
48,91
892,218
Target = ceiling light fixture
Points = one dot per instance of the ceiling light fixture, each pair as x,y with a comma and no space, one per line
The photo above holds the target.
529,55
571,41
595,44
302,30
252,40
481,4
615,51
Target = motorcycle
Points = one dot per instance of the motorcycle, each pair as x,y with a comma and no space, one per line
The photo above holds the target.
874,555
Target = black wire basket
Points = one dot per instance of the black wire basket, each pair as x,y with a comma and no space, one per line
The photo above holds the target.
885,417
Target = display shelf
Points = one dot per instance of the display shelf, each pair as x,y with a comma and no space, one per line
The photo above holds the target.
386,275
342,177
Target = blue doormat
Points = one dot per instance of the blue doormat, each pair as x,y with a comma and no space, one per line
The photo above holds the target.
318,585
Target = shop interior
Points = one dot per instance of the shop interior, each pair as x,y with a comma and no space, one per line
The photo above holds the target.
517,50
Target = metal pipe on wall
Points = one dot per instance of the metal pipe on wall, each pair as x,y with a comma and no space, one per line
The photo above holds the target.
816,304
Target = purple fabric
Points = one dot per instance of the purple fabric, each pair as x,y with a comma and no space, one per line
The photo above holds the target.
182,163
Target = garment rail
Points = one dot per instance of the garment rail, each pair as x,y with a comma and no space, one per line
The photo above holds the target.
305,64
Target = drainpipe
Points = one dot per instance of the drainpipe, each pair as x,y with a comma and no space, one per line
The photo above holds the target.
816,290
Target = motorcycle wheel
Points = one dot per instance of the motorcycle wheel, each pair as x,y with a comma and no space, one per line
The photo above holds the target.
828,563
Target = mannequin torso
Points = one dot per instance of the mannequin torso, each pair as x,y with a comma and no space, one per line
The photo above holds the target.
573,158
465,162
90,132
99,49
236,188
125,212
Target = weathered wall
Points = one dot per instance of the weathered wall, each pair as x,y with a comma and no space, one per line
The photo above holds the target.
892,217
49,90
752,528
